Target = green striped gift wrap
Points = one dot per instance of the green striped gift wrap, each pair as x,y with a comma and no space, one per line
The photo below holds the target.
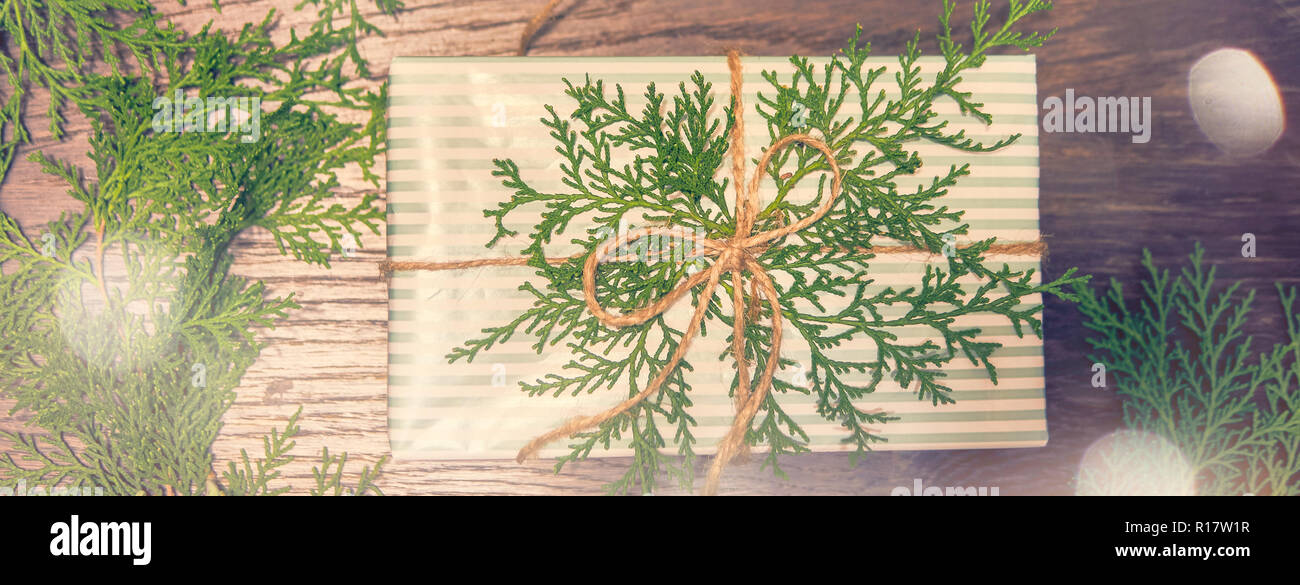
450,117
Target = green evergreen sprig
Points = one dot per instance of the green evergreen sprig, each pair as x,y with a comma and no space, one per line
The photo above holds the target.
677,150
55,44
254,477
1188,373
128,381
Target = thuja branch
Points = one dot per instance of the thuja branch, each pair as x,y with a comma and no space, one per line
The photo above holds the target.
1187,372
127,382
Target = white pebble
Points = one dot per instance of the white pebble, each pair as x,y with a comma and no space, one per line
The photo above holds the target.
1236,102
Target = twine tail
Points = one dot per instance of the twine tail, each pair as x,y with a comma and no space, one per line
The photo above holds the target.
738,348
734,443
535,25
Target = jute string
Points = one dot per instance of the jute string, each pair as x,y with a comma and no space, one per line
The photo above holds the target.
736,255
535,25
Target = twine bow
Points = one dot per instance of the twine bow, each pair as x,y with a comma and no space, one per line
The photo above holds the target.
735,255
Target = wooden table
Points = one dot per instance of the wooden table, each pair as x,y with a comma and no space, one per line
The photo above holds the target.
1103,199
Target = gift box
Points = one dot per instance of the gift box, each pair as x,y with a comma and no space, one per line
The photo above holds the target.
450,117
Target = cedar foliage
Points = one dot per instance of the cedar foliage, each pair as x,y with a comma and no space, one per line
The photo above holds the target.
127,379
1180,358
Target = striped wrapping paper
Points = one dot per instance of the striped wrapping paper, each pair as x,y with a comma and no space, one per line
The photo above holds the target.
449,117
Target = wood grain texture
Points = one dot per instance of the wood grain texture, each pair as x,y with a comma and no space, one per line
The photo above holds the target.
1103,200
